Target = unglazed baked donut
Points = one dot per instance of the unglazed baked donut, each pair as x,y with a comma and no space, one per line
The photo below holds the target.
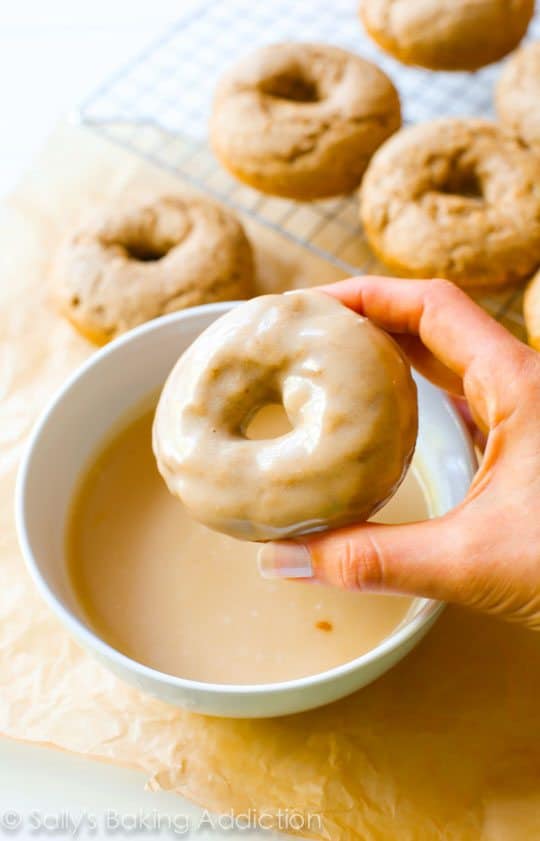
447,34
172,253
302,120
517,95
531,311
349,396
457,199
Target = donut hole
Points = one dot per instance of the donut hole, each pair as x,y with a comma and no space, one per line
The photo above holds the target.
464,183
149,233
267,422
145,250
294,87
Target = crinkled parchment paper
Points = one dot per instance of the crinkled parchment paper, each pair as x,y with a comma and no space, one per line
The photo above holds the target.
446,746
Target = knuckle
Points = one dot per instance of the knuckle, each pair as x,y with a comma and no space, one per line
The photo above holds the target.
442,285
358,563
514,384
371,570
442,290
344,564
527,367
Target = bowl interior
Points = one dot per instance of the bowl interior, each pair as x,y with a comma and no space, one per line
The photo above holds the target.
118,379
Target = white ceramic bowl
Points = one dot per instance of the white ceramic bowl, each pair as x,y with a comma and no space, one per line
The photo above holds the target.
71,430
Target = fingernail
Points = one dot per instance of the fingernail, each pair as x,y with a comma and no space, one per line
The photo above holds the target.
284,560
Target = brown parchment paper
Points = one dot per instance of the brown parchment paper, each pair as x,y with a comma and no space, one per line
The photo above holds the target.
445,746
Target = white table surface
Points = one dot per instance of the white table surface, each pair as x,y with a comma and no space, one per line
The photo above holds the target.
48,794
52,54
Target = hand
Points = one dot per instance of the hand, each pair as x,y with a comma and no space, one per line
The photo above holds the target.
485,553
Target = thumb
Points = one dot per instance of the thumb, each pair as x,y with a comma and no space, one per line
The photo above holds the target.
420,558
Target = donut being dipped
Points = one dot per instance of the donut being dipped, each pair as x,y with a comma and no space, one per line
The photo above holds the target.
148,260
302,120
350,399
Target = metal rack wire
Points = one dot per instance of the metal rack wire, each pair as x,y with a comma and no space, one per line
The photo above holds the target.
158,107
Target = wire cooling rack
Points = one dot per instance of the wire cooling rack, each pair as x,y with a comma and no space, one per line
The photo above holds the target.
158,106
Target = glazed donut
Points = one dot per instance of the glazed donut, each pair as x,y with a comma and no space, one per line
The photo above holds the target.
302,120
457,199
517,95
531,311
172,253
349,396
447,34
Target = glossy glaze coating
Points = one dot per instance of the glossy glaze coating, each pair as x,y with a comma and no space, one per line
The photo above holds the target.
348,394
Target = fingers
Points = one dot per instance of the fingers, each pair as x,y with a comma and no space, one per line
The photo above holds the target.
457,331
427,364
448,322
478,436
421,559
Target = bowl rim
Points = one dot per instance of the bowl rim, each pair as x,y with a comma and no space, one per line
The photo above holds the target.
427,613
